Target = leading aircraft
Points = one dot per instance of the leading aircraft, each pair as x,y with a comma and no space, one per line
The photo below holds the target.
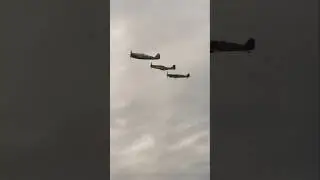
163,68
178,75
143,56
220,46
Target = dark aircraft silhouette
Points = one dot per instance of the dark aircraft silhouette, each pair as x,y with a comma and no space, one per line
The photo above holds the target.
222,46
143,56
163,68
178,75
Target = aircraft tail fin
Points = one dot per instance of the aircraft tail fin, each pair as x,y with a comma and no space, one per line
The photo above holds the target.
173,67
250,44
157,56
188,75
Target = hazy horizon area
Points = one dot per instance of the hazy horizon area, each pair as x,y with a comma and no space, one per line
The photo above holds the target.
159,127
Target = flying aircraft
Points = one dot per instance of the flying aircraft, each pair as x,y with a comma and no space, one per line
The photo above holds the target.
178,75
144,56
163,68
220,46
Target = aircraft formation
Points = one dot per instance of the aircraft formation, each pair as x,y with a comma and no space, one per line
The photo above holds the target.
143,56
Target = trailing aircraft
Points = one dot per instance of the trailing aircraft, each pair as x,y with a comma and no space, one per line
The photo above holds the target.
163,68
220,46
143,56
178,75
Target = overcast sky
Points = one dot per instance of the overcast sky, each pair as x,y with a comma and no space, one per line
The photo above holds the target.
159,126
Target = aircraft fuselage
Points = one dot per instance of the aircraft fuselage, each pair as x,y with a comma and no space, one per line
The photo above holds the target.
223,46
178,75
161,67
220,46
143,56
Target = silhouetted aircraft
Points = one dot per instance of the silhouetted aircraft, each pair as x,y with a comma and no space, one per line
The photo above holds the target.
216,46
178,75
163,68
144,56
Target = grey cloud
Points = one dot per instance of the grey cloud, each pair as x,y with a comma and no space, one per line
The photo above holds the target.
152,105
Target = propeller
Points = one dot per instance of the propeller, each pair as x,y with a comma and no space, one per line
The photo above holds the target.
130,55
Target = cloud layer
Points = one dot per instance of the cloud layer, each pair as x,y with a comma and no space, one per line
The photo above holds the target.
159,126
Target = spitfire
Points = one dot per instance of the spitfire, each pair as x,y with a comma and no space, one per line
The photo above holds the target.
143,56
219,46
224,46
162,68
178,75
